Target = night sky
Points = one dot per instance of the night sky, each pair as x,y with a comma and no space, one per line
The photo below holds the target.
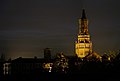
29,26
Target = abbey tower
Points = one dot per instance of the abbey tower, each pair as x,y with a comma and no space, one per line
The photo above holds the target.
83,44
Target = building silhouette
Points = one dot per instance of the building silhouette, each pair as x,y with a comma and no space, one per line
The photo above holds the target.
47,53
83,44
2,60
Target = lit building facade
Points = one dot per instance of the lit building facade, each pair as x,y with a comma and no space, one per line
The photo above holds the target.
83,44
7,68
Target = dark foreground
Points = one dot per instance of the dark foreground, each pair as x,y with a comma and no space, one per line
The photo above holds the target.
65,77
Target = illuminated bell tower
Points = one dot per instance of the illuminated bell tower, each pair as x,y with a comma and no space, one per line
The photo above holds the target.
83,45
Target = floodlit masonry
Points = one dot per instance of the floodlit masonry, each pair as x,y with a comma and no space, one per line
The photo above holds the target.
83,45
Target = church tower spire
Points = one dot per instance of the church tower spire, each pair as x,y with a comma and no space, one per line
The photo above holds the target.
83,14
83,45
83,24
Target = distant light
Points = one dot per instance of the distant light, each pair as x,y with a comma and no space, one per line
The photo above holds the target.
50,69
